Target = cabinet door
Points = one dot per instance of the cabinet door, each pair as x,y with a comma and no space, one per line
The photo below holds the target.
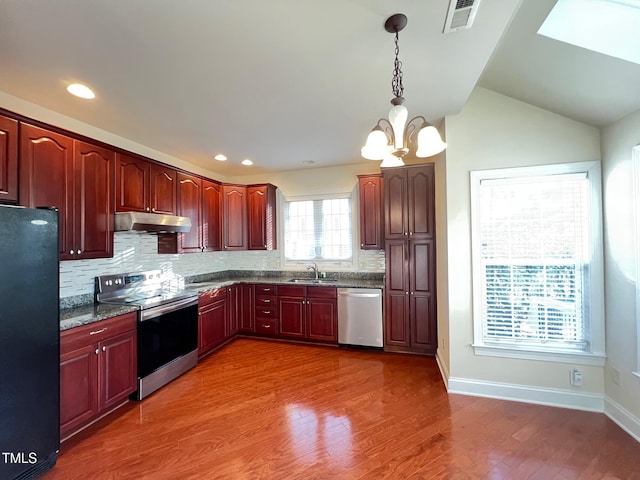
189,192
8,160
132,184
261,204
292,317
371,225
162,189
212,321
422,295
322,319
234,221
93,201
397,332
395,204
78,387
211,215
246,305
233,311
46,178
117,369
421,197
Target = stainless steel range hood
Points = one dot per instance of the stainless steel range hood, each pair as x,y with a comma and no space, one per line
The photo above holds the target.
151,222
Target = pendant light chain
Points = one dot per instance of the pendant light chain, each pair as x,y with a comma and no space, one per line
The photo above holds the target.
396,82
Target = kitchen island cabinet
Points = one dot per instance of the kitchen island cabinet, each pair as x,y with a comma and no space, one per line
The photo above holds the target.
8,160
143,186
76,178
98,370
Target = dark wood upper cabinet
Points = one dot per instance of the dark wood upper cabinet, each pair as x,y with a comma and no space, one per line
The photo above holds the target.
261,205
234,219
93,201
8,160
420,205
144,186
211,216
371,218
189,193
76,178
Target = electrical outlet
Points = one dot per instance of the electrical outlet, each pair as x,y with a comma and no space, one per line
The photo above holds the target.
576,377
615,376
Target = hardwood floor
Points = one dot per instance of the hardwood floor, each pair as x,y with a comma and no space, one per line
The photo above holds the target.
259,409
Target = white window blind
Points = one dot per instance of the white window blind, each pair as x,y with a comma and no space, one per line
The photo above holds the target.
534,249
318,229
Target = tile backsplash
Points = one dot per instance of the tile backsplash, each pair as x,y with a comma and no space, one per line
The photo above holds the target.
137,251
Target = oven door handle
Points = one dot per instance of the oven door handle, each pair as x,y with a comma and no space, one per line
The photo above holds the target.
170,307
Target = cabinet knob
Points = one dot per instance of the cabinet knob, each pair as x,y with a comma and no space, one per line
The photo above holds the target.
104,349
72,252
97,351
79,252
406,293
153,209
148,209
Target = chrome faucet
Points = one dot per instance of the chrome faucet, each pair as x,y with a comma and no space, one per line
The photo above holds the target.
314,267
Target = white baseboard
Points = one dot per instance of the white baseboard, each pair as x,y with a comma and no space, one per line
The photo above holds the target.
444,371
623,417
592,402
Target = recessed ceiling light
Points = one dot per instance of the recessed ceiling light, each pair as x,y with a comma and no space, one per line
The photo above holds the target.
220,157
246,161
80,90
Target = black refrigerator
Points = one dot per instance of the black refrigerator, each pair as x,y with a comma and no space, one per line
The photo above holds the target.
29,342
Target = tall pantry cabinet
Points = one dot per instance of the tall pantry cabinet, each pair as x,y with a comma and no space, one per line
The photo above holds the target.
409,229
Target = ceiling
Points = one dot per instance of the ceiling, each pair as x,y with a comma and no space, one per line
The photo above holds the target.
290,84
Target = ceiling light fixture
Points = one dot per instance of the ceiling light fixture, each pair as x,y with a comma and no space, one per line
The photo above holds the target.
220,157
80,90
247,162
389,139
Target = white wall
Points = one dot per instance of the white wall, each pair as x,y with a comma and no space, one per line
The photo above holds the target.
621,278
494,131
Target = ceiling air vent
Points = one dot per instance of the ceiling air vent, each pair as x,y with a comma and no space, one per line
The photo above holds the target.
460,15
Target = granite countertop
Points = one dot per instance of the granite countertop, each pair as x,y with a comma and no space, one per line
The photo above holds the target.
75,316
85,314
284,280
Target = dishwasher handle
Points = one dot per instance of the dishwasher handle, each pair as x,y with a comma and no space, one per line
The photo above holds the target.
362,295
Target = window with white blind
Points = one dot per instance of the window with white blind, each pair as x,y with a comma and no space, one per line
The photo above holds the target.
318,229
537,266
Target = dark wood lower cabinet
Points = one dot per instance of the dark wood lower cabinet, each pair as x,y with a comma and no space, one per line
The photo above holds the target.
98,370
212,320
308,313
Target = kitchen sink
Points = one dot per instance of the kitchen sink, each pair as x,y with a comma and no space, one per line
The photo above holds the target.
312,280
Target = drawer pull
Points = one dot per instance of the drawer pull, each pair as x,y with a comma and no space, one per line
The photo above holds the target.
267,312
266,289
266,326
95,332
266,301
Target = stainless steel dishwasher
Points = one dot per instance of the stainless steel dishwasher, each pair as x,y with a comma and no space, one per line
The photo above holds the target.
360,317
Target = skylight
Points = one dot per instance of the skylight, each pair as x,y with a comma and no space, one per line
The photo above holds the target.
611,27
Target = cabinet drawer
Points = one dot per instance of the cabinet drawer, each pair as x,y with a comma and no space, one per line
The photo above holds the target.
266,301
322,292
269,312
266,326
79,337
205,298
262,289
292,291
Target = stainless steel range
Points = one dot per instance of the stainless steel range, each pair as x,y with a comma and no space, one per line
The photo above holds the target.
167,324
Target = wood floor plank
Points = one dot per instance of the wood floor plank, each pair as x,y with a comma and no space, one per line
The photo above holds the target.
260,409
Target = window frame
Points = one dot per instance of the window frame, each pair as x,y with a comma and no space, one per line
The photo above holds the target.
334,265
594,325
635,162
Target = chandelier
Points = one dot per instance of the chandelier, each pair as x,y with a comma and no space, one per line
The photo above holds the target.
389,139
